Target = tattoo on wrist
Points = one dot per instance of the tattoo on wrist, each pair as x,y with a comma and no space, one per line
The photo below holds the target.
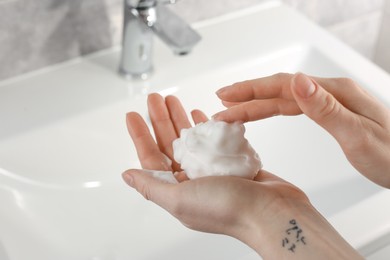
293,236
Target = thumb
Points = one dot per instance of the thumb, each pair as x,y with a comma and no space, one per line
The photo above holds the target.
322,107
153,185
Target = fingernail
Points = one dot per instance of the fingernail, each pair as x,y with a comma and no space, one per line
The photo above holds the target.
221,90
303,85
128,178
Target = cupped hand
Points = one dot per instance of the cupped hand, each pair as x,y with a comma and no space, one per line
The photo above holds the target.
358,121
258,212
226,205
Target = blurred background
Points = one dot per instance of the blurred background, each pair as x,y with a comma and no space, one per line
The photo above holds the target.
38,33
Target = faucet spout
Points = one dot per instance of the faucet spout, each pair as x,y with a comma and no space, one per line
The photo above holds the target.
142,20
176,33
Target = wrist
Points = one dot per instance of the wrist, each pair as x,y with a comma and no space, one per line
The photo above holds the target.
294,229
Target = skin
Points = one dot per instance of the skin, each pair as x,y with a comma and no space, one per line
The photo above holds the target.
358,121
257,212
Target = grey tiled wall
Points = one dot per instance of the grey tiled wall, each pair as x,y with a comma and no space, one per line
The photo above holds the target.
357,22
38,33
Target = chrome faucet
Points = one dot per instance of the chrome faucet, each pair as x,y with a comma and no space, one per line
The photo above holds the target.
143,19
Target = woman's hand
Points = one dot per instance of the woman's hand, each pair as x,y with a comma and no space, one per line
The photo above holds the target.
168,118
258,212
359,122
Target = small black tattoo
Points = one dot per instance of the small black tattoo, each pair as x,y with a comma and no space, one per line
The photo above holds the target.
294,236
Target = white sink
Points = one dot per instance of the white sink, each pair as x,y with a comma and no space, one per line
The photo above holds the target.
64,144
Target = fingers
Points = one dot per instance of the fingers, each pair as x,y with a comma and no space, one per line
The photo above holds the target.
148,152
258,99
230,104
168,119
198,116
163,126
269,96
258,109
153,189
177,114
322,107
275,86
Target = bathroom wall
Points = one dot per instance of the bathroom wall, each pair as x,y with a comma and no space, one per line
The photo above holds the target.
382,54
355,22
38,33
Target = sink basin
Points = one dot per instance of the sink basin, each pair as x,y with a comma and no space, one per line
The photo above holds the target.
64,144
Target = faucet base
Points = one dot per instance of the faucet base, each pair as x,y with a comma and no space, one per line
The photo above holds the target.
135,76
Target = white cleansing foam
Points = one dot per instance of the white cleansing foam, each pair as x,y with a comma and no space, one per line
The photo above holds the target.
216,148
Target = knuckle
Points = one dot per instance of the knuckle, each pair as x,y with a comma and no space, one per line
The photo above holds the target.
241,85
240,90
346,81
144,189
330,108
246,116
282,76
